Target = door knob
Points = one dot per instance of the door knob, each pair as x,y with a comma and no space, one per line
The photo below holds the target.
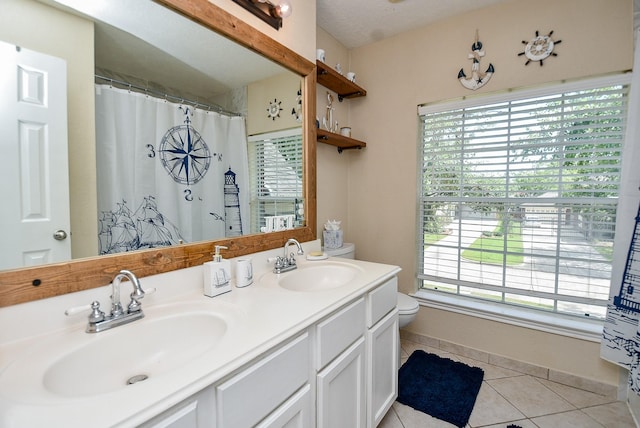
60,235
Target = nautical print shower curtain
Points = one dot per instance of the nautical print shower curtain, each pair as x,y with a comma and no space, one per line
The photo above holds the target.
167,172
621,334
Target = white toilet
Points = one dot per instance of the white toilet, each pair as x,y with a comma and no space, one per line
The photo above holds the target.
407,306
407,309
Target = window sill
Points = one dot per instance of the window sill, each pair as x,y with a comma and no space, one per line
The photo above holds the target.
584,329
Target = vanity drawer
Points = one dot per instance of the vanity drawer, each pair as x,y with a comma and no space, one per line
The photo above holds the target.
381,301
340,330
254,393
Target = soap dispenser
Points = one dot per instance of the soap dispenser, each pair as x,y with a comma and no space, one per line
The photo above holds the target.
217,274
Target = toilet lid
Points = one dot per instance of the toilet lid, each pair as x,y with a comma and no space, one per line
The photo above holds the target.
407,304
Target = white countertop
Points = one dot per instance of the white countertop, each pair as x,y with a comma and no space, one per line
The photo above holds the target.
263,315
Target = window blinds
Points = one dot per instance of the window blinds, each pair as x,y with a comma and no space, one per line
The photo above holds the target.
275,174
519,193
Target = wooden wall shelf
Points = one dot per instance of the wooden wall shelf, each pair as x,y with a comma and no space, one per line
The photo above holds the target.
339,141
331,79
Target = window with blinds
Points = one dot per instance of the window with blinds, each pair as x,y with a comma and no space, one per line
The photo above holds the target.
518,196
275,175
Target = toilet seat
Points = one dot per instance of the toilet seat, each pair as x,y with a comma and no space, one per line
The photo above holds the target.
407,305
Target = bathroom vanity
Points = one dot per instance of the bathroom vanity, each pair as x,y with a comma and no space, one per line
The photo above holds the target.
316,346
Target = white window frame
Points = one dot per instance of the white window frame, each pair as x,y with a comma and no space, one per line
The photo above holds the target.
283,178
555,322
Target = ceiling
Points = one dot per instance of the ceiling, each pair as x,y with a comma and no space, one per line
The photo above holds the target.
129,46
357,23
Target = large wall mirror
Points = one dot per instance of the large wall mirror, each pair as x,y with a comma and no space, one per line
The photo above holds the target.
201,58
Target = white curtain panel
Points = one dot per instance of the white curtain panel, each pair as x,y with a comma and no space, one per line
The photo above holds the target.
161,171
621,335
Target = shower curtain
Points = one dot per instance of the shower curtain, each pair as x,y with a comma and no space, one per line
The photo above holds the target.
621,334
167,172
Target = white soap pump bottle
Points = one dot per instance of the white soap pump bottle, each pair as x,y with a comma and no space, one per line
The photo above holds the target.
217,274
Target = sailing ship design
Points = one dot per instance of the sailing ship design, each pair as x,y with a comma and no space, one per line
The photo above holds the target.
126,230
221,277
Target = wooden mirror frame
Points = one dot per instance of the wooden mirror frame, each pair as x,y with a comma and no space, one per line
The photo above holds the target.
28,284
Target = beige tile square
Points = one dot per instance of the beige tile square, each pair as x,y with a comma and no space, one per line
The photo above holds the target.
524,423
490,371
408,348
578,397
529,396
412,418
390,420
492,408
612,415
573,419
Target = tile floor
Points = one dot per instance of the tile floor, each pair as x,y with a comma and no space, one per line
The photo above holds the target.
510,397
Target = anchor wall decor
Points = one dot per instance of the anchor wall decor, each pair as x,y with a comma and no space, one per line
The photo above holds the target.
478,79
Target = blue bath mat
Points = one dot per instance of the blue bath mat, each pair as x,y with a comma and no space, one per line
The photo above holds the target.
440,387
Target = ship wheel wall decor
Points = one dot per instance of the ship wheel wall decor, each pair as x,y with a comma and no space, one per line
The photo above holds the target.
478,79
539,48
274,109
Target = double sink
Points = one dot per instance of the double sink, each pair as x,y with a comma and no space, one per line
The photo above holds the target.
170,339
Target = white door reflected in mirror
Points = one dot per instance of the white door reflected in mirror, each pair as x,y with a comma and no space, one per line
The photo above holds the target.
35,126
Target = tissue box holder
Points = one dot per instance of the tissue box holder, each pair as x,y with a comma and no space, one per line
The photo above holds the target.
332,239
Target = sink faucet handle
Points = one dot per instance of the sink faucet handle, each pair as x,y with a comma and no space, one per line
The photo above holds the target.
134,304
76,310
96,314
292,259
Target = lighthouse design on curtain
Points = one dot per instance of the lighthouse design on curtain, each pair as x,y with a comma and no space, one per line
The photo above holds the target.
162,172
621,333
232,217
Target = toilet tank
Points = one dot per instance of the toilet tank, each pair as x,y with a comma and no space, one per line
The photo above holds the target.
347,251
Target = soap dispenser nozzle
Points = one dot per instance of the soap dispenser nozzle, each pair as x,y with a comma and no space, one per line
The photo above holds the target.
217,257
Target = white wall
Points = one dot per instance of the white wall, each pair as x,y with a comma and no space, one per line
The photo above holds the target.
421,66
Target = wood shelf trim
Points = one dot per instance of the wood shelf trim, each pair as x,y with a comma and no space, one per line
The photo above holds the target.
339,141
335,81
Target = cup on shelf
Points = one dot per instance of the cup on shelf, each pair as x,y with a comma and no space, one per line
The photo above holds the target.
351,76
345,131
320,55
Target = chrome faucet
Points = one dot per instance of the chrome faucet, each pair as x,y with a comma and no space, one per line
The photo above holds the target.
288,261
98,321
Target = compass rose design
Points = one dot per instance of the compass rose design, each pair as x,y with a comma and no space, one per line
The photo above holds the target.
184,153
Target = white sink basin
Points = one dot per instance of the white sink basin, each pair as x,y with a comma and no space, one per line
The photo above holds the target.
319,277
75,364
142,351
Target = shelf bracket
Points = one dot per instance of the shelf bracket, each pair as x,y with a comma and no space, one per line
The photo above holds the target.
340,149
350,94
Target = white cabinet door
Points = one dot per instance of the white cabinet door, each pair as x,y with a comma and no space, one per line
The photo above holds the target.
297,412
195,412
255,392
338,331
382,364
341,399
